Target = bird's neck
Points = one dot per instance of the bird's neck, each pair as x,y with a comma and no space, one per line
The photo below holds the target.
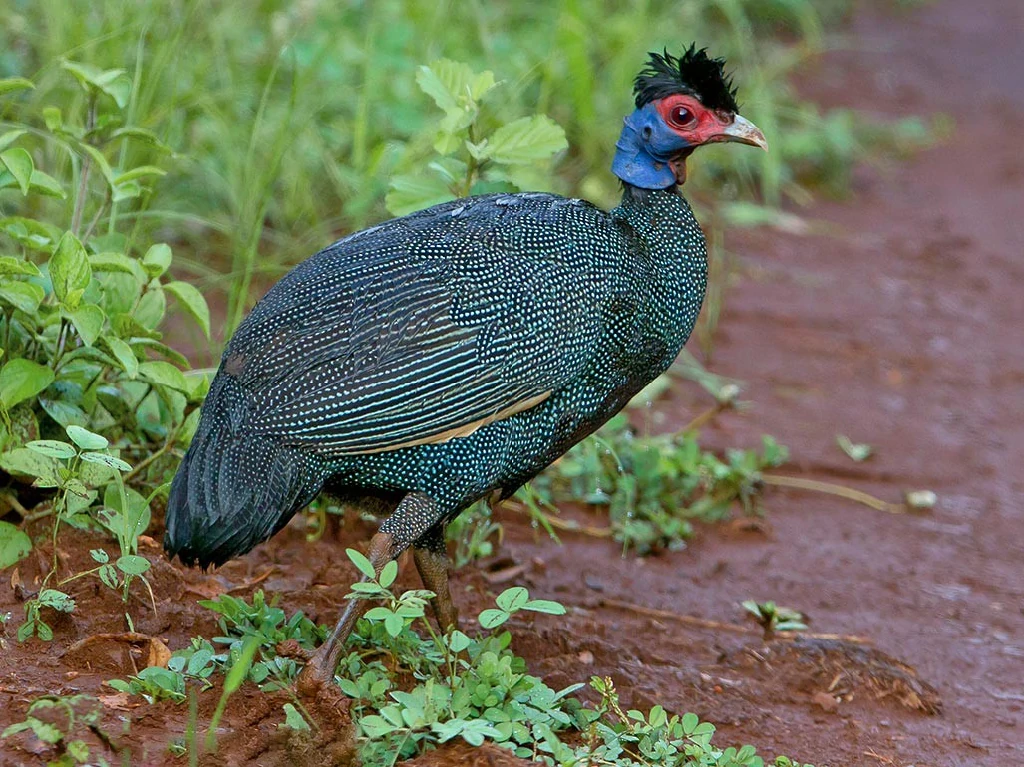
672,243
663,220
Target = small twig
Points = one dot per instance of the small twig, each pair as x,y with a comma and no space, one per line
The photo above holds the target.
735,628
128,637
15,504
252,582
829,488
561,524
37,515
704,417
168,443
96,218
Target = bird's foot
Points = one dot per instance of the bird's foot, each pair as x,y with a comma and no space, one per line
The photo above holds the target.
317,678
290,648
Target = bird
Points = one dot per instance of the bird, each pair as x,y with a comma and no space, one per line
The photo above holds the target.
450,355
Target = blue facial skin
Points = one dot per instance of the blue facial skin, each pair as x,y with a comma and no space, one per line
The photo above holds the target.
644,149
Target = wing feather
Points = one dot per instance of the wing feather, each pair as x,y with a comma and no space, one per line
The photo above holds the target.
420,331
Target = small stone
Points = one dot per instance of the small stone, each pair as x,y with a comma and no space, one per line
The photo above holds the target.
826,701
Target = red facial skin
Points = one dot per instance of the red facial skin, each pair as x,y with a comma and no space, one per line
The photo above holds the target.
697,124
694,122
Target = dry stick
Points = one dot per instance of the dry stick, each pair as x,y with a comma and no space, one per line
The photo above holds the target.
831,489
736,628
702,418
561,524
15,504
168,443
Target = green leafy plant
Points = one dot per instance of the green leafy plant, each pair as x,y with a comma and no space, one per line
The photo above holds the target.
476,152
79,310
773,617
58,722
653,486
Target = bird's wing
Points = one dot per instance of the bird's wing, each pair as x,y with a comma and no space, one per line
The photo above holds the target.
424,329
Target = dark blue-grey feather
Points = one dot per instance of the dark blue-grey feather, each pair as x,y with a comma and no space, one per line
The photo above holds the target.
426,324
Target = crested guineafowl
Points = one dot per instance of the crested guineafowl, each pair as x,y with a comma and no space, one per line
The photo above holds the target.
452,354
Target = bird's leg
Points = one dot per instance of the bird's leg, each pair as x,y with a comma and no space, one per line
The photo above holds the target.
320,669
415,515
432,563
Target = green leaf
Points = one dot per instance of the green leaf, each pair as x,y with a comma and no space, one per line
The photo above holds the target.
10,137
100,160
157,259
46,184
446,82
52,448
458,641
192,301
361,562
544,606
107,460
293,719
19,163
57,600
24,461
163,373
86,439
151,308
140,134
63,412
127,327
99,555
416,191
118,263
88,321
25,296
375,727
113,82
513,599
140,172
492,618
14,84
388,574
15,545
124,355
69,270
13,266
132,564
127,190
22,379
526,140
54,119
394,624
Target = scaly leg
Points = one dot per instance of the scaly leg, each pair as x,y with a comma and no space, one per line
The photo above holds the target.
432,563
416,514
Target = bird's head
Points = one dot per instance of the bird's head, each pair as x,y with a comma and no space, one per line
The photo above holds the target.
681,104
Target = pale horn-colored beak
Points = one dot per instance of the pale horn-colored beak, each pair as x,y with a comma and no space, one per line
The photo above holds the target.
744,132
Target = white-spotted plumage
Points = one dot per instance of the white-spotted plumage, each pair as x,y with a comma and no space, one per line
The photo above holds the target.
430,324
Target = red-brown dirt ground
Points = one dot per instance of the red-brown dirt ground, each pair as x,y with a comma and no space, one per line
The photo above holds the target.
896,322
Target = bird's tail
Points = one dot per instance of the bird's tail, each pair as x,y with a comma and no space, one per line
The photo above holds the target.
234,489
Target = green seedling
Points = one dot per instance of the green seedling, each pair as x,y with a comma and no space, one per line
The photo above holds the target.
772,617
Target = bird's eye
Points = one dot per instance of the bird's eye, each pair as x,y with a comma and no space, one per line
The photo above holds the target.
681,117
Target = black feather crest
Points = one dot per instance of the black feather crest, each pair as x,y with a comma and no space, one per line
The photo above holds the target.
694,73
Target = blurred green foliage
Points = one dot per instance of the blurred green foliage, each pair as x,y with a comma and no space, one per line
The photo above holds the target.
289,119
